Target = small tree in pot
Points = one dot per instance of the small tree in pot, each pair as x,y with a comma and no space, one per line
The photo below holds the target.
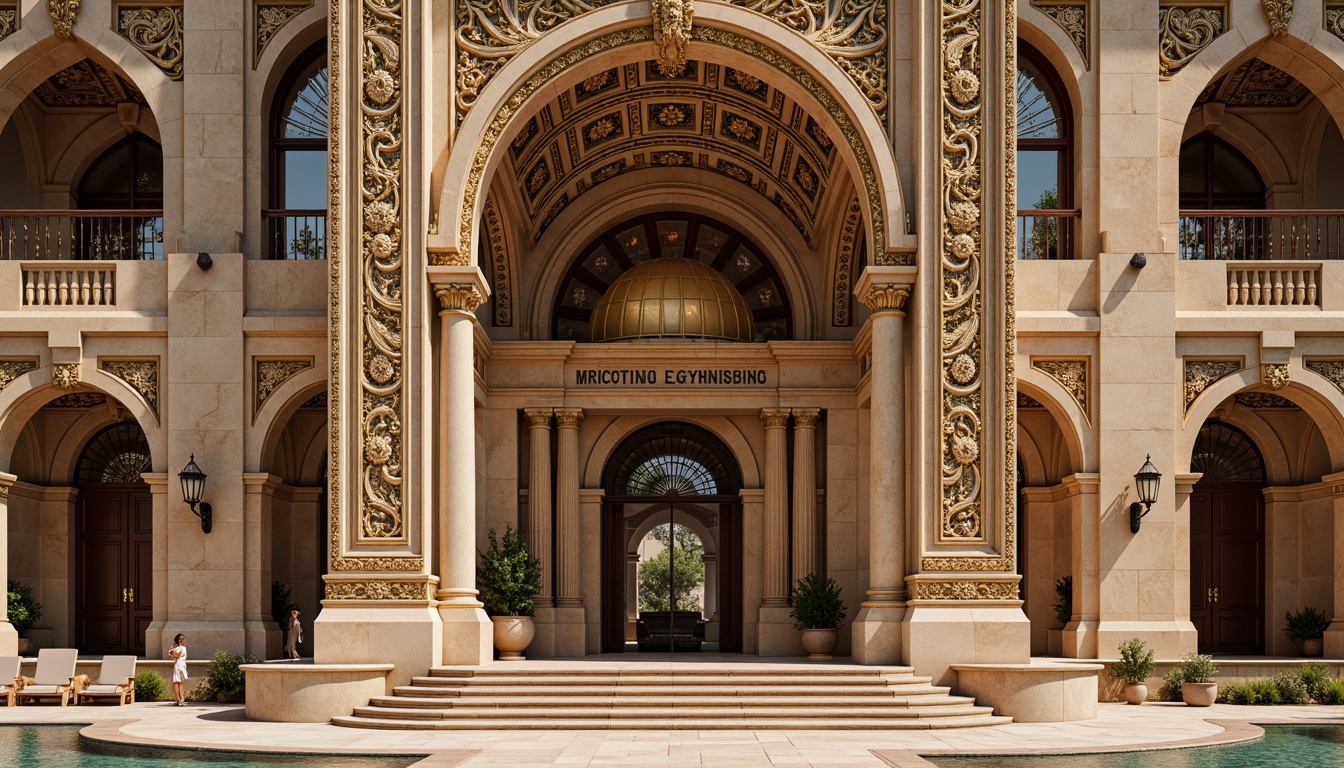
1306,628
508,579
23,612
1135,665
1193,680
818,611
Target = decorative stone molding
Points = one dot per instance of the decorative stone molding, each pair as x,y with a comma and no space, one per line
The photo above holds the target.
141,375
1331,370
966,564
380,564
1183,32
458,297
1071,16
775,418
568,418
964,590
805,418
378,590
1278,13
13,369
271,373
1275,376
671,34
1334,18
9,19
157,32
268,18
1263,400
496,249
846,260
886,297
63,14
1200,374
65,375
1072,375
538,417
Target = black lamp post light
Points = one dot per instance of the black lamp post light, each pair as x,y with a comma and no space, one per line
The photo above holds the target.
1146,482
193,485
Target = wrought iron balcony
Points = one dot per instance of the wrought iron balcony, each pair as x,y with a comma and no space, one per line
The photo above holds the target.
295,235
1273,235
43,235
1046,234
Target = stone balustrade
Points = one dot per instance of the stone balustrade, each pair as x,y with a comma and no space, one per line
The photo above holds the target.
70,284
1277,284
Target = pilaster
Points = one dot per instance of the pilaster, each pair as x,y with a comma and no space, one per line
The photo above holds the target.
1334,635
539,528
9,637
775,633
570,614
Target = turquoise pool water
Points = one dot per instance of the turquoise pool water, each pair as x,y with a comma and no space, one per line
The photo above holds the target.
59,746
1284,746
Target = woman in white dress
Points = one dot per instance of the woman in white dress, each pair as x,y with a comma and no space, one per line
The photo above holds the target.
179,657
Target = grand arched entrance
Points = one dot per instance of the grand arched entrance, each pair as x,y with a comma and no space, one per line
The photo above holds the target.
677,475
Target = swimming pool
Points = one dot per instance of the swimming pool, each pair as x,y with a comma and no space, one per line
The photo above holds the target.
59,746
1298,746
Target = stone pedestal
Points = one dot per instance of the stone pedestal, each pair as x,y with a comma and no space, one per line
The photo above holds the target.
775,634
936,635
1038,692
311,693
571,631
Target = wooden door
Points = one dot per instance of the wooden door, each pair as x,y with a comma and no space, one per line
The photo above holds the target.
613,577
730,577
113,568
1227,568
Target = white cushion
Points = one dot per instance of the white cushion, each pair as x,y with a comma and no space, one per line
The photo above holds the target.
41,690
117,669
101,688
55,666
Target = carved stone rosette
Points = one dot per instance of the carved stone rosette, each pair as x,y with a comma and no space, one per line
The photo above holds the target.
1275,376
1199,374
1331,370
141,375
63,14
1183,32
1070,373
65,375
157,32
13,369
1071,16
1278,13
270,374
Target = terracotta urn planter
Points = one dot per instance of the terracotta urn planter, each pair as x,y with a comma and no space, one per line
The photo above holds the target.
1136,693
512,636
25,646
1199,694
1313,648
820,642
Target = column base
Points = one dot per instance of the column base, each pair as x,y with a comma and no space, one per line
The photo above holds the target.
468,635
570,631
410,637
775,635
876,637
543,643
1167,639
934,636
9,639
1078,640
1334,640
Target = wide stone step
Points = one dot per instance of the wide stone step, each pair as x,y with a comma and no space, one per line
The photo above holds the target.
549,722
676,670
718,703
542,712
646,690
679,680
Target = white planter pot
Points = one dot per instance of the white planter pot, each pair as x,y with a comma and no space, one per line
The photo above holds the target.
1136,693
512,636
1199,694
820,642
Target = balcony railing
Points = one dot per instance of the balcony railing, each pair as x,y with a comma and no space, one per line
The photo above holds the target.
1046,233
1274,235
43,235
296,235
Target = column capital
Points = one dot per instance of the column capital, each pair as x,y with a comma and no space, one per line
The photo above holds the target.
538,418
885,289
806,418
458,297
568,418
775,418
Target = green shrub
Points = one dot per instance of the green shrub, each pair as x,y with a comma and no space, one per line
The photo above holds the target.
1239,693
1331,692
817,603
24,611
508,577
227,682
1306,624
149,686
1314,677
1064,603
1259,691
1171,686
1135,664
1291,688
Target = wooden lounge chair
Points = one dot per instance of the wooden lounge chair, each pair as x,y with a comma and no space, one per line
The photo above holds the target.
116,680
9,677
54,678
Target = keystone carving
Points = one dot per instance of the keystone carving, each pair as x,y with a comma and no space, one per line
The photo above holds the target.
65,375
1275,375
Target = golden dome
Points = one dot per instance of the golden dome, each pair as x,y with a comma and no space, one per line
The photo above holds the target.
671,298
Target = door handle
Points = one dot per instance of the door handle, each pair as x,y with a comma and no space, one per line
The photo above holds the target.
132,593
1208,595
1215,595
123,594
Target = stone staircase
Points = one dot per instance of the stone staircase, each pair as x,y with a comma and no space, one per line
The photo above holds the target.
699,696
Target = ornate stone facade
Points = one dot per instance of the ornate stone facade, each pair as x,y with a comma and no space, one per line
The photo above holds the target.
1331,370
1199,374
65,375
1071,16
964,590
141,375
157,32
1275,375
1071,374
1278,13
270,374
268,18
13,369
1183,32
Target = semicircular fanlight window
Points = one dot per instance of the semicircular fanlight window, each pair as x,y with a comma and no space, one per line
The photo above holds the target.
1225,454
671,460
118,454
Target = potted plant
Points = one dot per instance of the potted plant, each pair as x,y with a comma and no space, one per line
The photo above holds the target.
1197,686
1306,628
23,612
1134,667
508,578
818,611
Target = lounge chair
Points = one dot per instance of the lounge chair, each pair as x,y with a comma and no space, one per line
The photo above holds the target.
54,678
117,679
9,676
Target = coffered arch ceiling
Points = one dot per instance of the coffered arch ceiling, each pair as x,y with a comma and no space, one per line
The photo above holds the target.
631,118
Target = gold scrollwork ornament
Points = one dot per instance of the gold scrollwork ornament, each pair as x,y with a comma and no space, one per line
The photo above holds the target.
63,14
671,34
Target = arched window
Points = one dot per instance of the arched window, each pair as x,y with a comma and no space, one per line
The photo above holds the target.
296,222
118,454
127,177
1215,177
1225,454
672,459
1044,160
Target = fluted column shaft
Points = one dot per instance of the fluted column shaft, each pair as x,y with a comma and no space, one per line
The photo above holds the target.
805,550
539,497
569,544
457,456
776,554
886,453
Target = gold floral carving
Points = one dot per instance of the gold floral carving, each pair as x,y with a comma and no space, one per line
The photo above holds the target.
380,564
965,590
141,375
1183,32
1331,370
1200,374
378,590
335,292
1071,16
846,258
65,375
13,369
1278,13
268,20
1334,18
63,15
1275,376
9,19
671,34
497,249
270,374
458,297
157,32
886,297
853,33
1071,375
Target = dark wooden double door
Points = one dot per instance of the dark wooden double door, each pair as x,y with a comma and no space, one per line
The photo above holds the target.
1227,568
113,568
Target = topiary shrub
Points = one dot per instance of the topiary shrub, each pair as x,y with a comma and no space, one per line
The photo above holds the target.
149,686
817,603
508,577
228,683
1291,688
23,611
1064,601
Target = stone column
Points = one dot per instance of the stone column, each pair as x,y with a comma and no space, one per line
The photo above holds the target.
1334,635
156,646
1079,637
9,637
539,527
711,606
631,593
569,609
258,629
775,633
467,631
805,553
876,635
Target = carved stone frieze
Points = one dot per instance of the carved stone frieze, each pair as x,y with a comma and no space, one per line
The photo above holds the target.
269,18
13,369
142,375
1278,13
1263,400
157,32
1027,401
1331,370
1183,32
1199,374
270,374
1071,16
378,590
336,290
846,261
63,14
886,297
78,400
672,21
496,249
9,19
1071,375
1275,376
65,375
964,590
378,564
458,297
1334,18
